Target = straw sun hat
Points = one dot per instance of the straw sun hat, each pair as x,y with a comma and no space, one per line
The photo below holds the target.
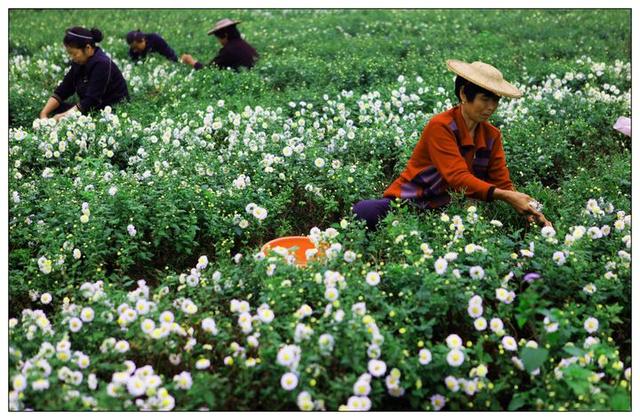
484,75
223,24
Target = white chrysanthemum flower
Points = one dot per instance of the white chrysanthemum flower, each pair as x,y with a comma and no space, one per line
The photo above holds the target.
75,324
502,294
373,278
147,326
481,370
440,265
19,383
46,298
259,213
548,232
476,272
361,387
288,355
189,307
143,306
559,257
122,346
131,229
209,325
319,162
87,314
77,254
289,381
203,364
424,357
136,386
265,315
349,256
166,317
40,384
480,324
455,357
377,368
619,225
454,341
45,265
438,401
475,310
526,253
509,343
470,248
594,232
326,342
304,401
331,294
591,325
426,249
590,288
475,300
550,326
183,380
496,325
451,256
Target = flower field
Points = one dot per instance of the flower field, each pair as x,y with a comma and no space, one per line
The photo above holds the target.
137,280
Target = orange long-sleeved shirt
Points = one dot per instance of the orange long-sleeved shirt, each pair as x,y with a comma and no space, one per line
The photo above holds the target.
447,157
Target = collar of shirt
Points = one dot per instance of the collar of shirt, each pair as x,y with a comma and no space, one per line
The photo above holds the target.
466,140
97,54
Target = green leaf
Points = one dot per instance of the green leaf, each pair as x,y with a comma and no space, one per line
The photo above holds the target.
620,401
574,351
517,401
533,358
577,378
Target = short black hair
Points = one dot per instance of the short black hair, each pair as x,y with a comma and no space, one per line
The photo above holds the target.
79,37
136,36
231,32
471,89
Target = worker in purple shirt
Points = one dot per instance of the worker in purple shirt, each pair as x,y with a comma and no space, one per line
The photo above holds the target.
93,76
140,44
235,51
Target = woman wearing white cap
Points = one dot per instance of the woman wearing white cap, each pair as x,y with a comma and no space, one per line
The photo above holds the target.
460,150
235,51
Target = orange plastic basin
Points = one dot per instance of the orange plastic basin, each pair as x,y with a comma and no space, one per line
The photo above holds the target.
301,243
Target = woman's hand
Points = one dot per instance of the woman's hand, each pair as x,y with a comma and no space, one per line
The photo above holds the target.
188,59
521,204
49,107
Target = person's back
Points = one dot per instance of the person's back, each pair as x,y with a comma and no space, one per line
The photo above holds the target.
99,73
93,76
235,51
141,44
235,54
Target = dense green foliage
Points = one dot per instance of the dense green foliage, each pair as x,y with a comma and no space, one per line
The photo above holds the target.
136,277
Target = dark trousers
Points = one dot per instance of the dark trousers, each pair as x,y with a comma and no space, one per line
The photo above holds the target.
371,211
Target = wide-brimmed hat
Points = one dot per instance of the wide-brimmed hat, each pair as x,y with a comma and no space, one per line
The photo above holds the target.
222,24
486,76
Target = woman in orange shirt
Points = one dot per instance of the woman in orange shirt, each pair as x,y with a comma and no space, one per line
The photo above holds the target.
460,150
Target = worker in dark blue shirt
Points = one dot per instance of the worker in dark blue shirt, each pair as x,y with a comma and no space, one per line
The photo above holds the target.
140,44
93,76
235,51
